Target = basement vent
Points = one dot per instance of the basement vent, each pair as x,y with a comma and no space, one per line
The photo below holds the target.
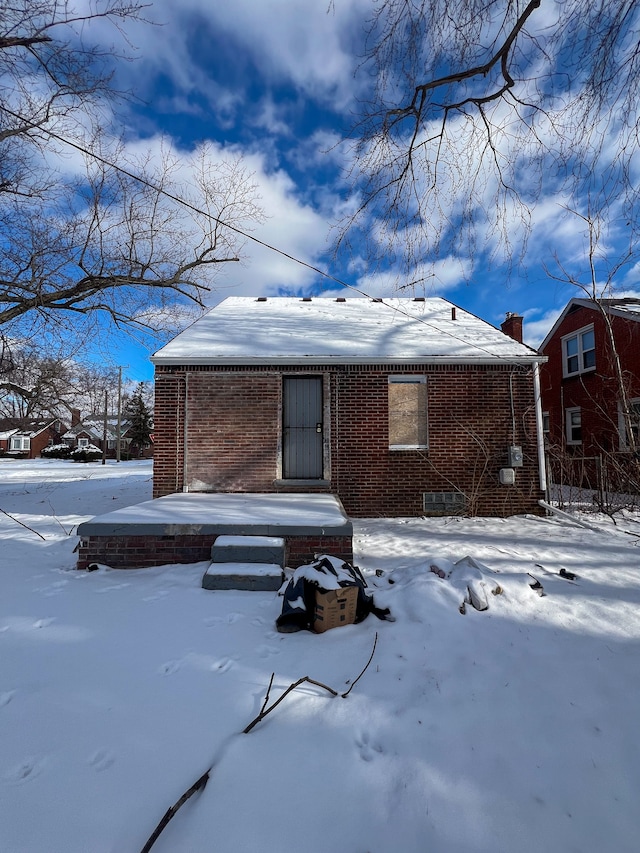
443,503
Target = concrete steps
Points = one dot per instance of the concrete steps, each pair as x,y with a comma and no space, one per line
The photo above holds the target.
246,563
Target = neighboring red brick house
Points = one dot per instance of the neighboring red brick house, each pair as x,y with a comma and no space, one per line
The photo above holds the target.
90,432
27,438
580,389
397,406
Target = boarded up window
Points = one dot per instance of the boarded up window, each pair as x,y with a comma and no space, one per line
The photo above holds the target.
407,412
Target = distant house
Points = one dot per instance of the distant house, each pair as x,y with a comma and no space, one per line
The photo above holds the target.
90,432
580,386
27,438
398,406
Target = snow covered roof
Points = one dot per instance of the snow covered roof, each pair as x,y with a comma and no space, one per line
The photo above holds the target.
321,330
94,427
30,428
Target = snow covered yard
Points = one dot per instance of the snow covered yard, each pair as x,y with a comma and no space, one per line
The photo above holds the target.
506,731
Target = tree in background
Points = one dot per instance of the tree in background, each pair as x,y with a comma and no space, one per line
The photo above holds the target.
40,387
139,418
79,238
483,108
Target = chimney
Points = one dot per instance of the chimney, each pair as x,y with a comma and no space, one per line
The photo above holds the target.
512,326
75,417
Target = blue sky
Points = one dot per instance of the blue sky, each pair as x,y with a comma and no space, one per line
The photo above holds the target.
276,82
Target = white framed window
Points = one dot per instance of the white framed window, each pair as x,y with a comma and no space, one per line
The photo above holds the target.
20,442
579,352
573,425
407,412
83,442
546,424
634,407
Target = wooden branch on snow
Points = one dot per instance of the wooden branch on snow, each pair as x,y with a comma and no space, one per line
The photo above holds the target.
17,521
200,784
353,684
264,711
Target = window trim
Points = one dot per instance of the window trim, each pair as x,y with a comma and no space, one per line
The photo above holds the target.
546,423
634,403
25,443
578,335
568,425
409,379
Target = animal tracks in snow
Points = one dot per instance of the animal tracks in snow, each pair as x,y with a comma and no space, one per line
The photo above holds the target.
52,589
101,760
222,665
265,651
6,697
367,748
229,619
26,770
169,667
43,623
201,662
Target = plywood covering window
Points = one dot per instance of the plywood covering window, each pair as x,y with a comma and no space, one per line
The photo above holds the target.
407,412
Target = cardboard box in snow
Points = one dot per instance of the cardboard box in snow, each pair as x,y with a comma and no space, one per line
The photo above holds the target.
334,607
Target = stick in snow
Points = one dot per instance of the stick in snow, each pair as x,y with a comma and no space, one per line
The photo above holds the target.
264,711
200,784
375,643
17,521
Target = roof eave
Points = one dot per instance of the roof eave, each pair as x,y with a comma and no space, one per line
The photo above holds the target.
177,361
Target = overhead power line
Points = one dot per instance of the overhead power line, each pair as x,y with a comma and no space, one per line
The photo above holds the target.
183,202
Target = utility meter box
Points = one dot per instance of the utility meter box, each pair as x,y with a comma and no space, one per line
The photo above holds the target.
515,456
507,476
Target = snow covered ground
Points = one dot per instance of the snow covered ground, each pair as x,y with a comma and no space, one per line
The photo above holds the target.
505,731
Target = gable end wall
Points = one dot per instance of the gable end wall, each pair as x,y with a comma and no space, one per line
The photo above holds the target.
595,392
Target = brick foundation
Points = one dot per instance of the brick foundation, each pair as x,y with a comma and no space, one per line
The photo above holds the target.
131,552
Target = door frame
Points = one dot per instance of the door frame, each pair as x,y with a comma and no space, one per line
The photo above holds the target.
326,427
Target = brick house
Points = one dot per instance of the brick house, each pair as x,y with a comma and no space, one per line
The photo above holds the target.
580,391
27,438
90,432
398,406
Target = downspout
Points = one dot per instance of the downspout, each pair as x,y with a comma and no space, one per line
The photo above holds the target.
542,474
185,486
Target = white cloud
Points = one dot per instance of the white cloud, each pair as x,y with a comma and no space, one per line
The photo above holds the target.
535,331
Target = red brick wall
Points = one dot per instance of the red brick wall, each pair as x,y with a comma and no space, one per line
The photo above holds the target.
168,434
40,441
469,421
232,431
595,392
234,426
125,551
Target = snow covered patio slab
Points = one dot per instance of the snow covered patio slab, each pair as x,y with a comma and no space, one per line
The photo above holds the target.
182,528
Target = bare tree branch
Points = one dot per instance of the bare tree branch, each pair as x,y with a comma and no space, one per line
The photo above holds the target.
481,107
114,240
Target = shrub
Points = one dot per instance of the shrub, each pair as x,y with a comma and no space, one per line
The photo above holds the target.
56,451
91,453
